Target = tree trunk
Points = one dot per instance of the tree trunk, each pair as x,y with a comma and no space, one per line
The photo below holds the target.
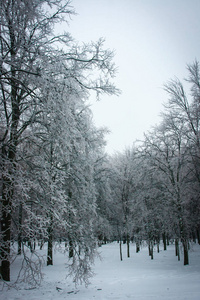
8,174
34,244
30,245
50,252
185,251
7,197
128,245
151,249
19,251
120,249
50,243
137,247
6,229
71,250
164,241
41,244
177,250
152,253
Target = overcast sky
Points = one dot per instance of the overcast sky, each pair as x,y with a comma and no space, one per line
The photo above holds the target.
153,40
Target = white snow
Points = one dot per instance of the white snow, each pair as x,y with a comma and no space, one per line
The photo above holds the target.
137,277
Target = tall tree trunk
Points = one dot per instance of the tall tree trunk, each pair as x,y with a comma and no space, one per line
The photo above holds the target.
177,250
120,249
50,243
128,245
150,246
9,168
7,199
6,228
164,241
151,249
19,239
183,236
185,251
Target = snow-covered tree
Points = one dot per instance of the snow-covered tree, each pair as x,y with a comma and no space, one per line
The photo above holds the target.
40,72
166,148
186,105
123,185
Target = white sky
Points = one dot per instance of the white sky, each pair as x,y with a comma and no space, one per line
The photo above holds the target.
153,41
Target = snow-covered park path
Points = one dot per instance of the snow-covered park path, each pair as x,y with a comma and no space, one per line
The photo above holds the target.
137,277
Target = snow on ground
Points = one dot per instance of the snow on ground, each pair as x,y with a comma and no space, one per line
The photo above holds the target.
137,277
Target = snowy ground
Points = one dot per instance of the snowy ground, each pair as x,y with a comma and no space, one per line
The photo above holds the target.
137,277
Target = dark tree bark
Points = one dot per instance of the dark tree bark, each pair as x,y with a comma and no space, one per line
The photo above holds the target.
185,251
150,247
120,249
71,250
128,245
19,240
9,158
7,199
177,250
50,243
164,241
6,230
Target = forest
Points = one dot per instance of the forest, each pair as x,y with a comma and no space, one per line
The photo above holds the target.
58,185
